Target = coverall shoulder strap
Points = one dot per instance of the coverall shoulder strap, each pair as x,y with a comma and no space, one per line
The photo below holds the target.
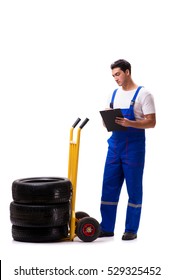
136,93
113,97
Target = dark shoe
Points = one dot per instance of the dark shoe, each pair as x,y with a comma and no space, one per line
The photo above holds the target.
105,234
129,236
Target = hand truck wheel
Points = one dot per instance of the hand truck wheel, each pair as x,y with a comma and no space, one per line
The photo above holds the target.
81,214
88,229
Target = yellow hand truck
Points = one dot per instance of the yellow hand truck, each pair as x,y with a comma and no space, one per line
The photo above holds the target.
81,224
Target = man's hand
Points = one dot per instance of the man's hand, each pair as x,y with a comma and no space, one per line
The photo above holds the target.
123,122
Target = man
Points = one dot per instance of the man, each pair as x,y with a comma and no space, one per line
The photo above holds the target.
126,151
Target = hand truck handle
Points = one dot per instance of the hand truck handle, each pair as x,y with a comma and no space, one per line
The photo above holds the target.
76,122
84,123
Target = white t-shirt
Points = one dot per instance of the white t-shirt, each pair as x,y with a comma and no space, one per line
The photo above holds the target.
144,103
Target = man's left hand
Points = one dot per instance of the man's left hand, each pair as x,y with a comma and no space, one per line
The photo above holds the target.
122,121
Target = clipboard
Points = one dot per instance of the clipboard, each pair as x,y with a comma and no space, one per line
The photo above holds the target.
109,116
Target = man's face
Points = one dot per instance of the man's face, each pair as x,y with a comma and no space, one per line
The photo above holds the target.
120,76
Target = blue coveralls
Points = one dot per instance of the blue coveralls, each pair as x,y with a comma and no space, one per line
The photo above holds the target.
125,160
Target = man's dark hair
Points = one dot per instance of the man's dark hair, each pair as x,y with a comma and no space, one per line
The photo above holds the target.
122,64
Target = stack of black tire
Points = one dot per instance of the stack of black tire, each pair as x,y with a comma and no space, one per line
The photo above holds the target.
40,210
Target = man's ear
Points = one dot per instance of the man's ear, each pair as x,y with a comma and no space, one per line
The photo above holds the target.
127,72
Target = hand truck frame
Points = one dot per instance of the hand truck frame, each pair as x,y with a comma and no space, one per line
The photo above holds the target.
81,224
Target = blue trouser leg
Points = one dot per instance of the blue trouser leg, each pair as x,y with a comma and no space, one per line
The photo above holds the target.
133,165
112,182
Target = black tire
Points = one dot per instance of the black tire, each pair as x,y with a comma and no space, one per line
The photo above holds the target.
88,229
42,190
52,234
52,215
80,215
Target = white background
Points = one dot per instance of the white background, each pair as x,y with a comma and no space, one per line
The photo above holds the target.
55,67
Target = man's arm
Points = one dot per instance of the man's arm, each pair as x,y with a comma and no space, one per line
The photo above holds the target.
149,121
